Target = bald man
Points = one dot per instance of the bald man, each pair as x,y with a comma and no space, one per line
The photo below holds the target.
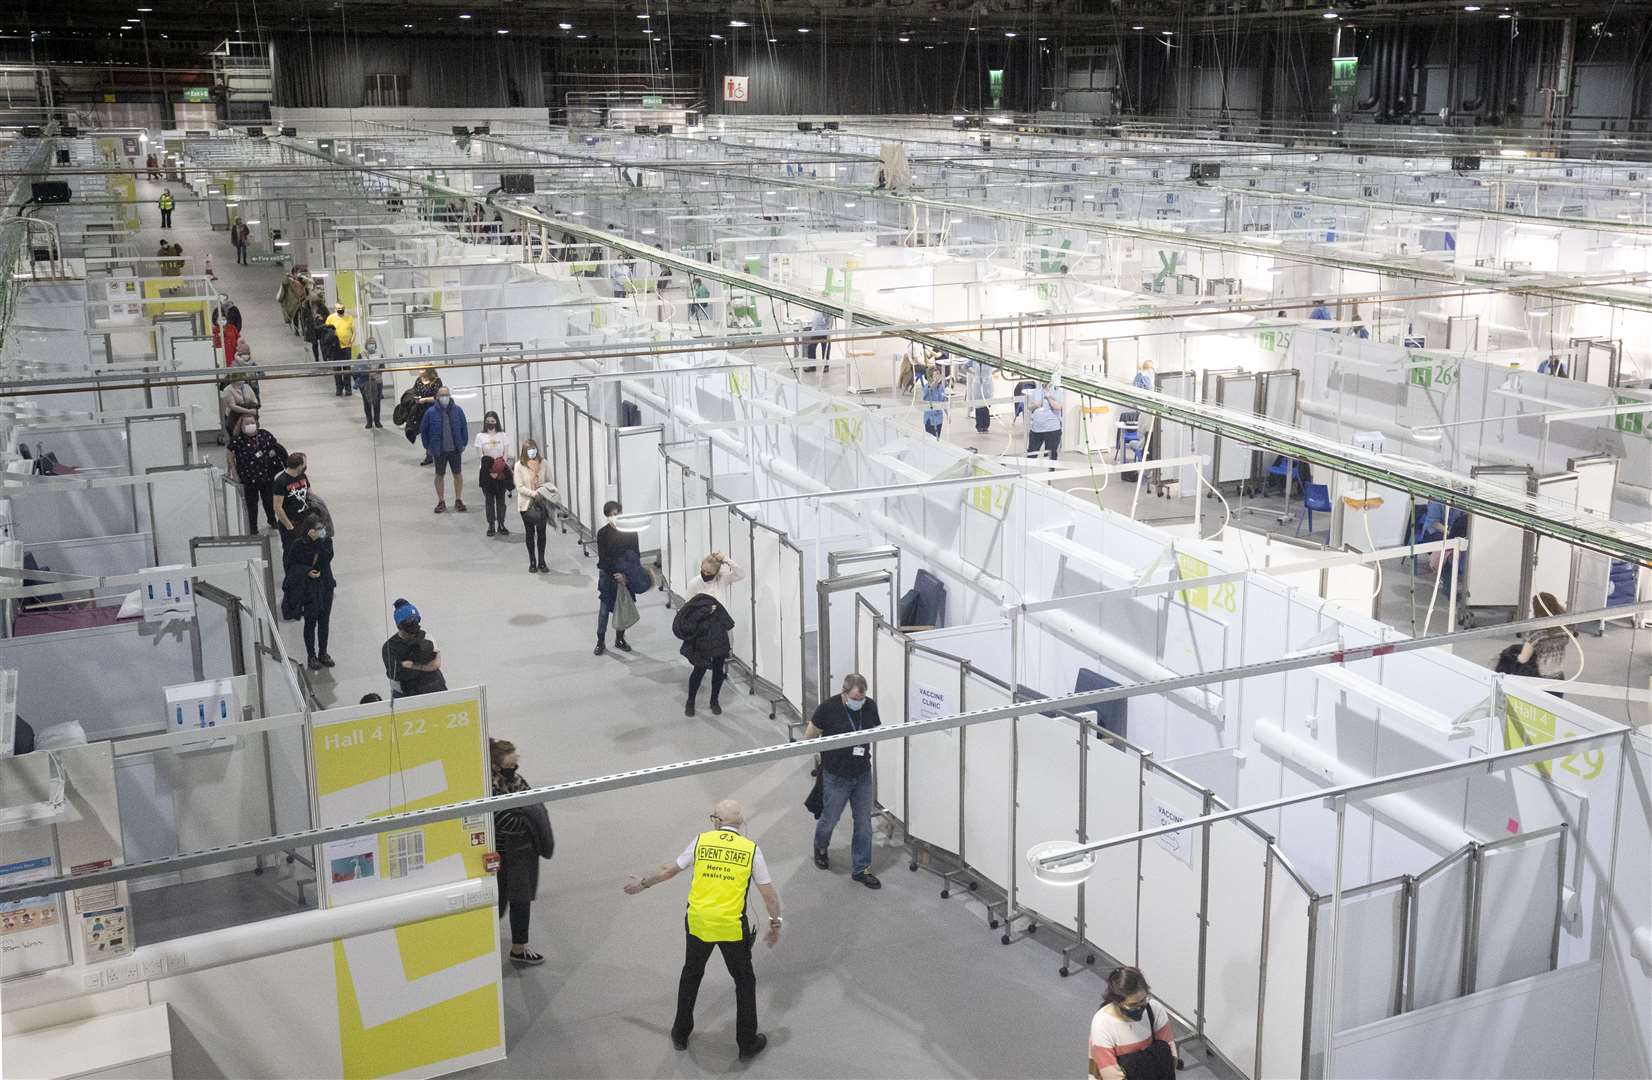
725,866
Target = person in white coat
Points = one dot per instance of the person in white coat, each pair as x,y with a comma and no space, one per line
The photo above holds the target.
533,477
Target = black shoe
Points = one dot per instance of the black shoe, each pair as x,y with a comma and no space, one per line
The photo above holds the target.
427,460
326,661
716,709
459,505
313,664
543,569
868,879
338,393
601,648
504,531
621,644
526,958
679,1042
490,530
755,1048
822,860
369,427
378,423
688,710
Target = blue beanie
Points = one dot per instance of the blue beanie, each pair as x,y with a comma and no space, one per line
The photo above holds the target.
403,611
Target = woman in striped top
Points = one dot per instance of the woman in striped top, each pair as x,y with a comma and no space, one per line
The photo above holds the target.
1130,1035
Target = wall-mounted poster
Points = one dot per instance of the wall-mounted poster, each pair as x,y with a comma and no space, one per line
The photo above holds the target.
735,87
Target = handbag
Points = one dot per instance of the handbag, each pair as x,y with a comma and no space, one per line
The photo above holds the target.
625,610
537,513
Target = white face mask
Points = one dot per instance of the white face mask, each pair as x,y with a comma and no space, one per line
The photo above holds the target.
249,429
533,455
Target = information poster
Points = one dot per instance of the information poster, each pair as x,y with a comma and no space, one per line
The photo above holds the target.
425,998
32,934
928,703
1179,844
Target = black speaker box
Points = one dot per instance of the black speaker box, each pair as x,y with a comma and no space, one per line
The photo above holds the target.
51,191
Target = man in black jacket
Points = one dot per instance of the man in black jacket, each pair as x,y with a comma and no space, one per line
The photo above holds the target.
702,625
846,776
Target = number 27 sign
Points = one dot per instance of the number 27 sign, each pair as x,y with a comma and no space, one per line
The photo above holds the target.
734,87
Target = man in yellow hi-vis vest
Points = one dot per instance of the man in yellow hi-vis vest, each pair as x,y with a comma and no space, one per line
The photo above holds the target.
725,865
165,203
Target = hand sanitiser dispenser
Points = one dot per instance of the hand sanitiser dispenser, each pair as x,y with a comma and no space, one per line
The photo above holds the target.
205,707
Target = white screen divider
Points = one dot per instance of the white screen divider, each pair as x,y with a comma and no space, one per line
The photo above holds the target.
767,644
1438,939
934,762
601,482
181,507
637,479
1171,887
1285,976
888,678
1112,807
1370,961
1046,808
1234,940
1553,572
989,794
790,586
1517,898
741,592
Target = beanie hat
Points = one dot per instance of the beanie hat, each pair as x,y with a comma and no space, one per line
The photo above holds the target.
403,612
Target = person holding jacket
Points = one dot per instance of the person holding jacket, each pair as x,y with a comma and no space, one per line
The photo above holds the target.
1129,1038
703,626
619,565
368,377
309,580
494,476
411,661
444,433
533,479
522,836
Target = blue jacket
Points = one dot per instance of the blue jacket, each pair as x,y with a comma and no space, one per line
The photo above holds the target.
430,429
636,578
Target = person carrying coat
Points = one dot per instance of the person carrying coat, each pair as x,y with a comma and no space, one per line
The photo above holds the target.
310,582
522,836
619,562
703,626
291,298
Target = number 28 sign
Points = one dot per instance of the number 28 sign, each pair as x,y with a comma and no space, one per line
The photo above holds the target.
734,87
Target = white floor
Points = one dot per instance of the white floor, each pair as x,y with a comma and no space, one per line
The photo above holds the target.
896,983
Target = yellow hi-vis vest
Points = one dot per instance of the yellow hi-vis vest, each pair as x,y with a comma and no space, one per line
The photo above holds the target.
166,202
717,896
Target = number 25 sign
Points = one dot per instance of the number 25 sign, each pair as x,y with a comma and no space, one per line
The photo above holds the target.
734,87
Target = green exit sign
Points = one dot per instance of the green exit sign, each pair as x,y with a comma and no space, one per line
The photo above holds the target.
197,93
652,101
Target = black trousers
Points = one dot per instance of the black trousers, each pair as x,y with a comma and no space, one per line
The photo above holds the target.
533,534
737,958
166,219
983,418
493,502
253,494
1039,441
241,255
520,911
718,673
318,614
371,405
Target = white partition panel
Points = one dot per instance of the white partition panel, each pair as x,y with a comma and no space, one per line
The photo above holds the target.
866,642
1553,572
1516,907
1371,934
790,585
1233,940
1112,806
766,583
1285,983
740,593
1171,870
584,473
1046,807
989,793
154,442
888,679
933,759
602,480
637,479
180,505
1439,931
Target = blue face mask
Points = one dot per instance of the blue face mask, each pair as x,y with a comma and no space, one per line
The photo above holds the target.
852,705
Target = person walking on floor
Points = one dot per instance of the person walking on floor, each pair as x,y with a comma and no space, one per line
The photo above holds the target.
290,498
846,776
343,344
444,434
312,323
534,495
934,395
166,204
294,289
309,579
522,836
703,626
149,167
411,661
1044,406
980,375
255,458
725,865
619,566
494,476
238,236
1129,1038
368,377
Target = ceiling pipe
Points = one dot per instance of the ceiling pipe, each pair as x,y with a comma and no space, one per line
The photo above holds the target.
1378,45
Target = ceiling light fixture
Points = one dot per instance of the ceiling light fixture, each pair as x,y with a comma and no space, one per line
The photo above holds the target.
501,30
1328,15
1009,33
1471,7
581,37
564,26
1138,28
464,15
717,37
738,23
803,29
644,15
903,40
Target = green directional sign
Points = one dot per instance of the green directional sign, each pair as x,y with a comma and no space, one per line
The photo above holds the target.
652,101
197,93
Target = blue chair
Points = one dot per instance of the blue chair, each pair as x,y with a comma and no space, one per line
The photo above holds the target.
1287,471
1314,497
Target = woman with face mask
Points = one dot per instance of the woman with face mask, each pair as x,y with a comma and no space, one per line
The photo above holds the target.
522,836
255,457
238,400
494,476
533,479
1130,1037
310,583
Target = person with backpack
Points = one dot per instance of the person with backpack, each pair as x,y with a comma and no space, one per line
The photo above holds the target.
494,475
703,626
522,836
1129,1038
